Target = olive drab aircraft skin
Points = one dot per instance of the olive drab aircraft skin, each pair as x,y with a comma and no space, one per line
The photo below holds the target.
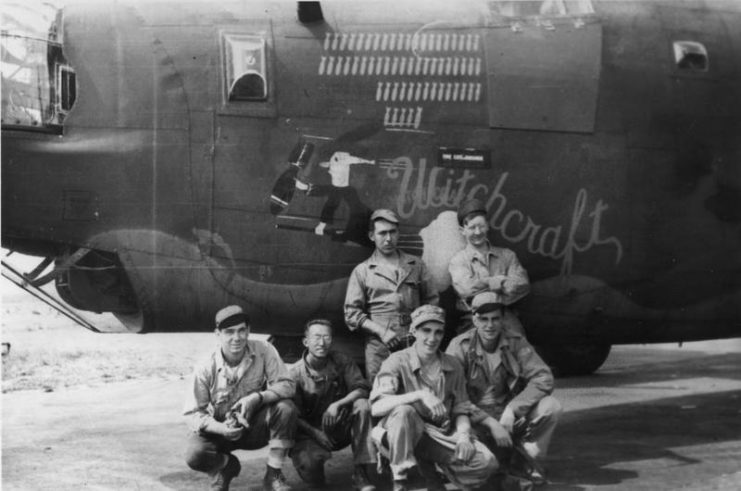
174,157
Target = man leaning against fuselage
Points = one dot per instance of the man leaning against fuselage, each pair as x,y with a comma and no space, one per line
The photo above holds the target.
481,267
383,290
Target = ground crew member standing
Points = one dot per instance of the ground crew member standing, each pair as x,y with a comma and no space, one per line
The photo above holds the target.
384,290
482,267
240,398
510,385
332,399
420,393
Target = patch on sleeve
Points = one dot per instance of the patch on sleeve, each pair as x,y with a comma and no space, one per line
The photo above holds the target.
386,384
526,351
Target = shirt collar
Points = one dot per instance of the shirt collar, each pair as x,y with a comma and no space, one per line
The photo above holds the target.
474,254
415,364
313,373
477,346
221,362
404,258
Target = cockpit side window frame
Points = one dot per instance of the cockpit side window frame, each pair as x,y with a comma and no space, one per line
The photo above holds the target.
247,81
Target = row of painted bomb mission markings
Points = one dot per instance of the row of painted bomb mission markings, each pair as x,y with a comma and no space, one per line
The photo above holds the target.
377,41
353,65
428,91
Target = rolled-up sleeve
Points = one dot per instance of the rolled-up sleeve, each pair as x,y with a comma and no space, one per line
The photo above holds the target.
539,377
353,376
518,283
476,414
387,382
461,403
465,282
198,399
278,378
355,300
430,295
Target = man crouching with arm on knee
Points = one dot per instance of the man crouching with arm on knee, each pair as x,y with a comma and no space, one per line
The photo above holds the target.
332,398
229,408
510,386
420,394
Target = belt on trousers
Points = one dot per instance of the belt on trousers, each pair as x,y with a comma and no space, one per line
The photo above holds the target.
404,319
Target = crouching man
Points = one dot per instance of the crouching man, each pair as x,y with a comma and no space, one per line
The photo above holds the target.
332,399
420,393
510,385
240,399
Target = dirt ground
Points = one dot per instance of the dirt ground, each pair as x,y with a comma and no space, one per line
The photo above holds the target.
49,352
102,412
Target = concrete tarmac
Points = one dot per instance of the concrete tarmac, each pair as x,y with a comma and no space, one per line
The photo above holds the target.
654,417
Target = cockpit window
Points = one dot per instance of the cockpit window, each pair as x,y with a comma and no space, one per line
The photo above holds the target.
245,66
547,8
38,86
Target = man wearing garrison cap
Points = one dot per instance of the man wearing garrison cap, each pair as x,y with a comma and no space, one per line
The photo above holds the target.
383,290
240,398
420,394
482,267
510,386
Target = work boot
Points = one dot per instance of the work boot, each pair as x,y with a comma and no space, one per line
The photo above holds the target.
360,480
220,481
400,485
529,469
313,476
274,480
433,480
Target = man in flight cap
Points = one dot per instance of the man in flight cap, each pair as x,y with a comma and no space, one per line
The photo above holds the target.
240,398
481,267
383,290
510,386
420,394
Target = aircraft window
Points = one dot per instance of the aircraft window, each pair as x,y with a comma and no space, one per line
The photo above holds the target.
26,86
691,56
245,68
549,8
250,86
66,88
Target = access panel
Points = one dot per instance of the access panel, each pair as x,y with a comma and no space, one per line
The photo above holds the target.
544,74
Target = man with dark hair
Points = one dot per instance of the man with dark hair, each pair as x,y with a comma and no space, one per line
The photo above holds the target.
240,398
420,393
332,399
510,386
383,290
482,267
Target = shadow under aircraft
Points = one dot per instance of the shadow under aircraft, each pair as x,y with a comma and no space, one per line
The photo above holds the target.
167,158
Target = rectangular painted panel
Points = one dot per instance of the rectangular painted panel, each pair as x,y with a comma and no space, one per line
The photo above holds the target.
544,76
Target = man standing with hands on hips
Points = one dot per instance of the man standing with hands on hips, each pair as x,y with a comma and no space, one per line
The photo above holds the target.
383,290
240,399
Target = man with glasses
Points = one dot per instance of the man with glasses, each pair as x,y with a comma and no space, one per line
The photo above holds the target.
332,398
482,267
240,398
510,386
